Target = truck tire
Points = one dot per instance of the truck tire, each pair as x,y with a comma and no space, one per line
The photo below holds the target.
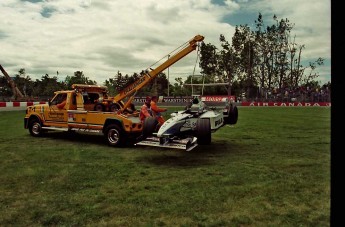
99,107
232,115
114,107
203,131
150,124
114,135
35,127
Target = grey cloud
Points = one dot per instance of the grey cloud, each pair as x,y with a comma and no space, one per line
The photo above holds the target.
118,58
47,12
3,35
102,37
33,1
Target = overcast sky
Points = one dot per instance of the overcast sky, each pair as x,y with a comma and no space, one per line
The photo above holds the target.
102,37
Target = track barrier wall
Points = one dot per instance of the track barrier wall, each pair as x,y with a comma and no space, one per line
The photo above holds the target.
182,101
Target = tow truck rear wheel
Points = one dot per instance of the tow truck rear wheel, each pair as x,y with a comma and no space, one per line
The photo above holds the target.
203,131
114,135
35,127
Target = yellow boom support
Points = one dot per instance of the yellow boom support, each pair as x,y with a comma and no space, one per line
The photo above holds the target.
131,89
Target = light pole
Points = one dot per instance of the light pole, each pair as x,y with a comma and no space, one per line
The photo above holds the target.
168,76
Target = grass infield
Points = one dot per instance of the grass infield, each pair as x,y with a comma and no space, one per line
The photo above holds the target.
270,169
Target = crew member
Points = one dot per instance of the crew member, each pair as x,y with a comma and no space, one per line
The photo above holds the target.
145,110
156,111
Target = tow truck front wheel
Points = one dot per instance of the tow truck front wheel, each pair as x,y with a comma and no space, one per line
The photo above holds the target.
114,135
35,127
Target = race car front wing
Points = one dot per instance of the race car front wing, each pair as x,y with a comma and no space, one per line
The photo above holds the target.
186,144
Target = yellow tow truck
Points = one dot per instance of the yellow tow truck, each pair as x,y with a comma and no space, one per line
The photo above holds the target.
89,108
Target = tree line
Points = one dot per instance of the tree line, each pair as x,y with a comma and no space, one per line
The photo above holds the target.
255,62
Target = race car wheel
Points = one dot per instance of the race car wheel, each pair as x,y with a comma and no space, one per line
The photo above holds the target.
114,135
99,107
150,124
233,115
35,127
203,131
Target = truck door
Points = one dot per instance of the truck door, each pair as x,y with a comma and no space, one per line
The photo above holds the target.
57,112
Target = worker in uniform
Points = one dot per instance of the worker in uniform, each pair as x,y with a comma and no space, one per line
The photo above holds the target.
145,110
156,111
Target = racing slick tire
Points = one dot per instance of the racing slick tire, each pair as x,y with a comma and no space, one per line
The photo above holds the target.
35,127
203,131
150,125
232,115
114,135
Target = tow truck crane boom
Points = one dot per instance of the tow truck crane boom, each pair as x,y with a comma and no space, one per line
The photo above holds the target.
147,77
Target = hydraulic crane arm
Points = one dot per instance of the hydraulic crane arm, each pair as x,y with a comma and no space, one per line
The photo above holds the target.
146,78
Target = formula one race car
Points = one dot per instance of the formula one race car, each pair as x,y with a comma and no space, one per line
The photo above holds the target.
188,128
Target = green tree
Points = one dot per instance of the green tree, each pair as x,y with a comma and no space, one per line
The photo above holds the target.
24,83
263,58
115,84
5,88
78,78
220,67
47,86
178,88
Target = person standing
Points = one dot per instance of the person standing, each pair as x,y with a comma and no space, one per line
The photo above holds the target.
156,111
145,110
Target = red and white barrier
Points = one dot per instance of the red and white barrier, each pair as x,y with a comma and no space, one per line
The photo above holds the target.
282,104
20,104
286,104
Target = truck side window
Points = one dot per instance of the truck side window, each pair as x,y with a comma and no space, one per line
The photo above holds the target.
57,99
93,97
86,99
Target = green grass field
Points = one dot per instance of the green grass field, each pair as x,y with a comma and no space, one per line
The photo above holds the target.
270,169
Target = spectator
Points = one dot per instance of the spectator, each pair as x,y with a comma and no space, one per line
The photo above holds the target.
145,110
156,111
